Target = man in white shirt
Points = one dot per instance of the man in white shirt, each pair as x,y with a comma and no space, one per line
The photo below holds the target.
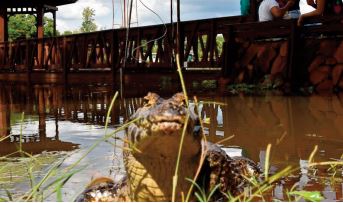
270,9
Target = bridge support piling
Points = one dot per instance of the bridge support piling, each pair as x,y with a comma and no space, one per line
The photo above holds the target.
230,54
296,72
3,24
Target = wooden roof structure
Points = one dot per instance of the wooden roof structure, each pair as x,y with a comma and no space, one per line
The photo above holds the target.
31,7
34,3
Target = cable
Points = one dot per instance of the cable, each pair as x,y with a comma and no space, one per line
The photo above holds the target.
153,40
172,32
112,14
126,50
137,13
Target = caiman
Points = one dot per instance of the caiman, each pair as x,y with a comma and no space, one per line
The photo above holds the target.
154,139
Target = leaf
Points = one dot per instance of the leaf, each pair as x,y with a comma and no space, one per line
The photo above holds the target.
9,195
212,192
59,193
3,199
313,196
200,199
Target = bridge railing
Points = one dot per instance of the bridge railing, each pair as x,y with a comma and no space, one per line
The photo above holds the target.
148,47
203,42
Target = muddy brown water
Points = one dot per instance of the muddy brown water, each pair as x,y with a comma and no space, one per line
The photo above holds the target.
64,122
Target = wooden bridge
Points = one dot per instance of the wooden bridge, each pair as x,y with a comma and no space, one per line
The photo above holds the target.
216,45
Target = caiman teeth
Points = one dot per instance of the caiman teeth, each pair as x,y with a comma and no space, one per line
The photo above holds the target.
167,126
158,119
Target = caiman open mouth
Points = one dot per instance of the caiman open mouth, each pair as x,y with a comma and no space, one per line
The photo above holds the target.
167,124
167,127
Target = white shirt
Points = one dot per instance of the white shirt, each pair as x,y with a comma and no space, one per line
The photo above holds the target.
264,12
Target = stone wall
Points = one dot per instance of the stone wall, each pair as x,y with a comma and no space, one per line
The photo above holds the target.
260,60
326,63
267,61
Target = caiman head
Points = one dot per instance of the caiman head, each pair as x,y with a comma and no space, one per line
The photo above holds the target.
154,139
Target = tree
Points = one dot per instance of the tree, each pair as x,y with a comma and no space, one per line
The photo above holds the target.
88,22
49,27
24,26
67,32
21,26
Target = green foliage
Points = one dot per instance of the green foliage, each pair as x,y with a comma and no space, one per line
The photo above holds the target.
21,26
24,26
88,21
201,193
49,27
314,196
67,32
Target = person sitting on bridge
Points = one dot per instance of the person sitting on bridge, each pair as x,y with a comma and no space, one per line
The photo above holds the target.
325,7
293,11
270,10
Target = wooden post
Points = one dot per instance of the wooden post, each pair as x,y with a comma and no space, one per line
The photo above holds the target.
40,24
28,61
115,57
4,114
54,18
3,24
230,53
40,35
65,64
295,71
253,10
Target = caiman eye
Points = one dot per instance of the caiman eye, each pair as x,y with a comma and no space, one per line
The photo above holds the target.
180,99
150,99
146,102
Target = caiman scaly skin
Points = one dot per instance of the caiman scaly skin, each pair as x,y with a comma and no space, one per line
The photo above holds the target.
156,136
154,141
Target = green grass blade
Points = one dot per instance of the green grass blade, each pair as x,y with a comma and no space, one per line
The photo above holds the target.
3,199
199,197
9,195
21,133
266,163
212,192
59,193
179,70
4,138
313,196
201,190
109,111
313,153
175,177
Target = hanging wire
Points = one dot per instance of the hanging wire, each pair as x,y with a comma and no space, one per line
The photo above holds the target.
112,14
127,33
172,32
126,52
137,13
153,40
122,12
145,44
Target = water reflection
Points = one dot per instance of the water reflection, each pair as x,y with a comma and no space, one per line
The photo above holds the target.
56,119
293,125
18,135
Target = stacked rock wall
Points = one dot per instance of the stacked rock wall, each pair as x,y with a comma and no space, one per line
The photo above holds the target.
321,59
326,64
259,59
